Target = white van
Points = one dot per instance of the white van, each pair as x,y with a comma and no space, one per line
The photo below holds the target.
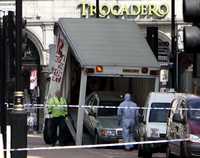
153,124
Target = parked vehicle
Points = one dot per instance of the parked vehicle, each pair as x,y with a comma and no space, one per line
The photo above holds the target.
102,123
153,125
184,123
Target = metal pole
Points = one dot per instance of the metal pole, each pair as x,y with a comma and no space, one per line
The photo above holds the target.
97,8
173,45
82,94
177,71
18,44
17,117
3,79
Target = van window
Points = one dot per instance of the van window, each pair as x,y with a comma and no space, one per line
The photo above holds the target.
159,115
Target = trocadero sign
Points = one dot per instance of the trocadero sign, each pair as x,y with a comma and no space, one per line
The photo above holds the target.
150,9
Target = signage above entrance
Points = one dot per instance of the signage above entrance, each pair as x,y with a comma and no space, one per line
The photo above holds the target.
152,9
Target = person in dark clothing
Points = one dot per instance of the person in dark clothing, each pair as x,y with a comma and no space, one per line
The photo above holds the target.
59,113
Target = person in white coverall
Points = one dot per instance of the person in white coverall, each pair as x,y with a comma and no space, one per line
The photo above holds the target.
127,118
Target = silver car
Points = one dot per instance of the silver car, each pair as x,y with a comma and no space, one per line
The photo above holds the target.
100,118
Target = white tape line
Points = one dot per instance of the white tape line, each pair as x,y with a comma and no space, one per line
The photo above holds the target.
1,146
97,146
105,107
41,106
8,141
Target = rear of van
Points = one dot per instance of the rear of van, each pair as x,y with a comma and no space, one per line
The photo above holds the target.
158,107
155,115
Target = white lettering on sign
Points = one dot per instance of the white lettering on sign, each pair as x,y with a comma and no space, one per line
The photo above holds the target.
60,62
59,66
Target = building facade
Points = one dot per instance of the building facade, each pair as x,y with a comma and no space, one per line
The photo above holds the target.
42,14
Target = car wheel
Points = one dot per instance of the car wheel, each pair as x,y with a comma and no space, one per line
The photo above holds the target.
168,153
184,152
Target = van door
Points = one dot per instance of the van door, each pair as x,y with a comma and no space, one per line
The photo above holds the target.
157,119
177,128
182,129
172,127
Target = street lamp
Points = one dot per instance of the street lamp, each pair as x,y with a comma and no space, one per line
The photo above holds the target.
19,93
18,117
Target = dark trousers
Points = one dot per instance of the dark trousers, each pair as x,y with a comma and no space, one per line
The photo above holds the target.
59,122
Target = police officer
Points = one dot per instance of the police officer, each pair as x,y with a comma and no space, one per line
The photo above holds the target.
127,118
58,113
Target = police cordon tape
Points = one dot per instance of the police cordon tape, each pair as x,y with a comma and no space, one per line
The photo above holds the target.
34,106
96,146
41,106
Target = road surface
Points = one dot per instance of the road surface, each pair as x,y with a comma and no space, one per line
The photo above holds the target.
37,141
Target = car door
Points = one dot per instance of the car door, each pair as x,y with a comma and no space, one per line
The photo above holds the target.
178,128
90,118
170,130
93,115
169,120
173,126
183,130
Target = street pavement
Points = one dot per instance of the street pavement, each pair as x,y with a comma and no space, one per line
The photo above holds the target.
37,141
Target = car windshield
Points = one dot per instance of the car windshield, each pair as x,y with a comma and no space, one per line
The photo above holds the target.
108,111
194,113
159,115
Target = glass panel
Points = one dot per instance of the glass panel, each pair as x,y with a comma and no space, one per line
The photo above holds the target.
108,111
159,115
194,113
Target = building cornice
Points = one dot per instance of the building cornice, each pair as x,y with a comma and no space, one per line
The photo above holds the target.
140,22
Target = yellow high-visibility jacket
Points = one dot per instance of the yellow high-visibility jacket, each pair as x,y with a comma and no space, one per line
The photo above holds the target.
56,108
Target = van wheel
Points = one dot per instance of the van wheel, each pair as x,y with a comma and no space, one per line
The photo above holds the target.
96,139
146,151
140,151
168,153
184,153
147,155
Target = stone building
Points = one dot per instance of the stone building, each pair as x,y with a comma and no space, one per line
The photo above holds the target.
42,14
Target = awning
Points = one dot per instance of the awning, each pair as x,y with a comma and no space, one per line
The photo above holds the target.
107,42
